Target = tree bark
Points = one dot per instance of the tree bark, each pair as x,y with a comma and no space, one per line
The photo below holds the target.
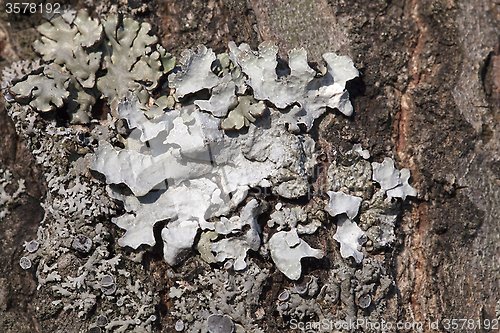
428,96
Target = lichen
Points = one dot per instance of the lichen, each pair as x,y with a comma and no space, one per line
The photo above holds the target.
45,91
132,59
221,292
403,189
77,49
6,198
345,289
386,174
219,161
69,41
190,146
72,255
287,250
343,203
69,47
299,84
236,248
195,73
244,113
286,218
223,99
350,237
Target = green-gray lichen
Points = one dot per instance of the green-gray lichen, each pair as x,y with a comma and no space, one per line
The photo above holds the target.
70,41
132,59
86,58
244,113
44,91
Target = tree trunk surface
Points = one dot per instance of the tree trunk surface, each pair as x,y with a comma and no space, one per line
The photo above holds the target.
428,96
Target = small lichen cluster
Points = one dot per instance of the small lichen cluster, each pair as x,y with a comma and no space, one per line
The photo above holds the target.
370,212
357,293
6,198
219,291
193,162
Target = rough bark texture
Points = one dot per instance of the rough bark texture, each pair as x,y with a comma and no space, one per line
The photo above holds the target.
428,95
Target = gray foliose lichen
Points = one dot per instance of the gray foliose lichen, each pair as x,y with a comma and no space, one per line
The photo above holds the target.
196,166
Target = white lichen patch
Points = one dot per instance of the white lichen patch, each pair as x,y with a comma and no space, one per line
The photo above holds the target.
350,237
287,250
299,85
392,180
343,203
223,98
358,149
403,189
198,160
178,238
386,174
195,73
150,122
236,248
